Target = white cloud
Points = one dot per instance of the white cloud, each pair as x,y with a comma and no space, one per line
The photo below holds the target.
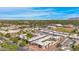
30,15
70,16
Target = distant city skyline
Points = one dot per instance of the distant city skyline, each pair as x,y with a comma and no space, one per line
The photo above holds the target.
39,13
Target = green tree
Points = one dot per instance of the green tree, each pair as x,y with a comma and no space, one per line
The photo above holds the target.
5,45
13,47
1,34
23,43
78,33
9,47
15,40
29,35
75,47
74,31
7,35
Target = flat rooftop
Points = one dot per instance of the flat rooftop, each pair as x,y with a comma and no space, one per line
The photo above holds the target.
44,40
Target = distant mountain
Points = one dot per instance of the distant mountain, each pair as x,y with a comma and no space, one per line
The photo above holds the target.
76,18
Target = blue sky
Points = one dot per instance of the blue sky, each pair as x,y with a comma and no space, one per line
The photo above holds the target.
38,13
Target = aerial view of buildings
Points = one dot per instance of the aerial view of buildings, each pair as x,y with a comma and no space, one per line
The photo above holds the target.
39,29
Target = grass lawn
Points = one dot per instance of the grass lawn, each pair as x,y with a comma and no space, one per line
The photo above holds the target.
62,29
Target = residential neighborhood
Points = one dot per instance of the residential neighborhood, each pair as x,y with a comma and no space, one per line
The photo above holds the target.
32,37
